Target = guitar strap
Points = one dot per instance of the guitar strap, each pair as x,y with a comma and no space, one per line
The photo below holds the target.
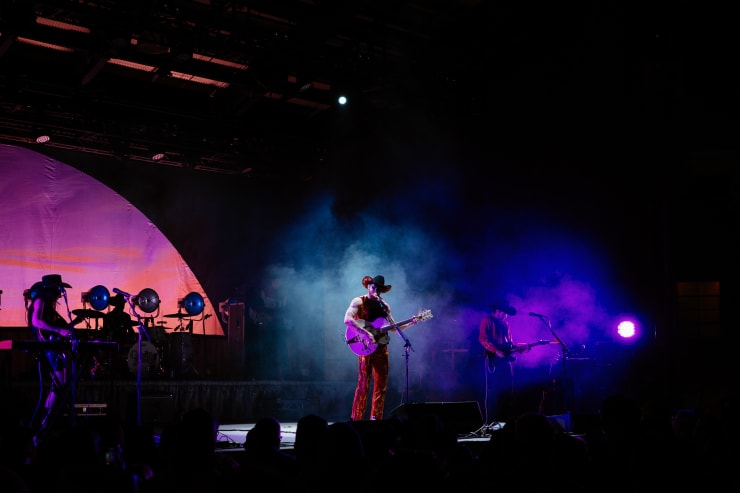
372,309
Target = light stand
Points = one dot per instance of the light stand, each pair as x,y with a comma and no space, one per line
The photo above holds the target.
194,304
148,301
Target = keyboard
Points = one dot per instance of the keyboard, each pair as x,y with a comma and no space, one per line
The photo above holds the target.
41,346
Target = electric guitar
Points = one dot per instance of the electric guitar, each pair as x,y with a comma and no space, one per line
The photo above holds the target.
364,341
511,351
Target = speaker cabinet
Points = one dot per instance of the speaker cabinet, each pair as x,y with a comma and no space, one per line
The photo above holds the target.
460,417
236,339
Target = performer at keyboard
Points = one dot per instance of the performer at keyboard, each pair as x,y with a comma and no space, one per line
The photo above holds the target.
47,324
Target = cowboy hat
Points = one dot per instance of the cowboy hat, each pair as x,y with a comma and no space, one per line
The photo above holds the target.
379,282
54,280
504,306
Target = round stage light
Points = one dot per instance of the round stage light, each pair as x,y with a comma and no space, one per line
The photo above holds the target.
147,300
99,297
193,303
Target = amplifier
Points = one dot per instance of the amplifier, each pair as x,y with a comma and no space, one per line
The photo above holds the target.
85,410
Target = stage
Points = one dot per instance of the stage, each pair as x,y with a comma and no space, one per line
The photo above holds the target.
206,377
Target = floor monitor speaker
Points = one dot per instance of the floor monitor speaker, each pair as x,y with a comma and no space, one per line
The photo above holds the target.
460,417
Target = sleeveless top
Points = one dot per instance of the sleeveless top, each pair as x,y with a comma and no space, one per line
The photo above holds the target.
371,310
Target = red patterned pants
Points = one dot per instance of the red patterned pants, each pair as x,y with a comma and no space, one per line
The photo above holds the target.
375,365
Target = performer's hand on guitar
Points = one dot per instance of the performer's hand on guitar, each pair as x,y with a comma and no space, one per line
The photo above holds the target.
363,336
361,326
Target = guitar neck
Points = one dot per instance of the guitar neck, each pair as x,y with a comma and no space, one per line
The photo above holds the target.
524,347
397,325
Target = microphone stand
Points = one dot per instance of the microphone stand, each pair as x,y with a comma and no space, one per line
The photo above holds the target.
565,355
72,393
142,330
406,347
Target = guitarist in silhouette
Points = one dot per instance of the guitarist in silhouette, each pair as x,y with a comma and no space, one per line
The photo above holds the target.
494,335
370,307
47,324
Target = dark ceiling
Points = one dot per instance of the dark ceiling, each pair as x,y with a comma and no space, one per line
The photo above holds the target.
536,78
275,100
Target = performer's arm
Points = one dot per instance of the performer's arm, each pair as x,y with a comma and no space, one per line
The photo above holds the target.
39,304
350,316
487,344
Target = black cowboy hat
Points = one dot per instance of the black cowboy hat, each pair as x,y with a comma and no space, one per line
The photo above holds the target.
54,280
48,284
379,282
504,306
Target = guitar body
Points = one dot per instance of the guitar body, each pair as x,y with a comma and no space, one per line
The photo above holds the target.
507,358
364,342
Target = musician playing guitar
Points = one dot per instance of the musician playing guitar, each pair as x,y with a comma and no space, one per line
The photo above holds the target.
370,306
494,335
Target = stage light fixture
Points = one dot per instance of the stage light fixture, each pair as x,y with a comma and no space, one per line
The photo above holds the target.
98,296
626,329
147,300
193,303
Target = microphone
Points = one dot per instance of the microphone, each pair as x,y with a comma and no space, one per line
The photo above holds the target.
533,314
124,293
